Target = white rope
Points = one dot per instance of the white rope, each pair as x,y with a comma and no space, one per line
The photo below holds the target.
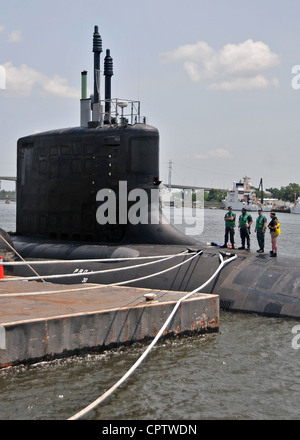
24,262
77,274
89,260
81,289
146,352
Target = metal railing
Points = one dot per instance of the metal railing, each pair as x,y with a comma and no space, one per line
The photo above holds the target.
121,111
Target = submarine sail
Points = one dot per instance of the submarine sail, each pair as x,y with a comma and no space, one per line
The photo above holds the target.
63,175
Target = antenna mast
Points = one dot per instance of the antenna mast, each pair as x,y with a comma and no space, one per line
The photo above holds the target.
170,175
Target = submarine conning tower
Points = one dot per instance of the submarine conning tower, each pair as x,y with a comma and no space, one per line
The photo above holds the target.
82,183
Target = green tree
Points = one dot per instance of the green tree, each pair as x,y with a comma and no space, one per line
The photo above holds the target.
258,193
215,195
291,192
4,193
276,193
287,193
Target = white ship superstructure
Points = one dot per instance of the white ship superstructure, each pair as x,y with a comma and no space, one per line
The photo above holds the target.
243,196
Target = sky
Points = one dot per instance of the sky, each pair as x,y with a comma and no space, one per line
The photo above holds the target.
219,79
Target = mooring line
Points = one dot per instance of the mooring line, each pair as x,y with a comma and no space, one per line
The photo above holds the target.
96,272
99,286
146,352
14,250
88,260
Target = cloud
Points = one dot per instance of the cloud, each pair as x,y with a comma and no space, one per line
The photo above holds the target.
15,37
256,82
218,153
233,67
24,81
1,28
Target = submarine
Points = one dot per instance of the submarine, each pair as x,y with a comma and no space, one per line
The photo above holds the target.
88,211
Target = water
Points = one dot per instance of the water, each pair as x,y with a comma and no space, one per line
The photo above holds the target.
249,370
8,216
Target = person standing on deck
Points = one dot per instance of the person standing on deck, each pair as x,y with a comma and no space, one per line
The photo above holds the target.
245,221
273,225
260,228
229,227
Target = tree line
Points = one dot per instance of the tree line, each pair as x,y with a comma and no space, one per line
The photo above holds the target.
288,193
4,193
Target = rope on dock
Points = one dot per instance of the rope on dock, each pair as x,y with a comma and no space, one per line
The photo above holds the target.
99,286
86,273
146,352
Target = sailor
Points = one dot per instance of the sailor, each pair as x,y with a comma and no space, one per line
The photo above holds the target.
273,225
260,227
229,227
245,221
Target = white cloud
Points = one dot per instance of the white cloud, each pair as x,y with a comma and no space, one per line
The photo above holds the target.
233,67
24,80
15,37
218,153
1,28
252,83
59,86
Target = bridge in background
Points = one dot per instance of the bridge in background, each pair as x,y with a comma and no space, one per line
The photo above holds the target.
180,187
8,178
194,188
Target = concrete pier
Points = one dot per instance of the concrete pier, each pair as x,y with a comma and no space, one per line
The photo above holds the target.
42,321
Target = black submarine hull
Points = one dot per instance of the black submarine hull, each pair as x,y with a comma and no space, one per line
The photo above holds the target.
252,283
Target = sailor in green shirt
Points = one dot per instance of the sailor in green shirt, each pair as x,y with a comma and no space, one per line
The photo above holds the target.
245,221
261,224
229,227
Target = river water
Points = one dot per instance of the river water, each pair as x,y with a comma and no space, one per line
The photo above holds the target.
249,370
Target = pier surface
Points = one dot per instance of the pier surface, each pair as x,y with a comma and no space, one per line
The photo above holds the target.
43,321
